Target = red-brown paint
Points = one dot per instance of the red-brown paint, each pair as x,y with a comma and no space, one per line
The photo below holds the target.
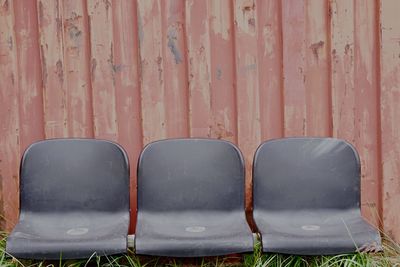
53,68
77,68
127,88
390,114
244,71
9,118
102,69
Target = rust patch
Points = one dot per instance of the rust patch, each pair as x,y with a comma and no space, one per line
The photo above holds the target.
159,64
5,7
252,22
41,13
107,4
60,71
191,75
75,34
44,68
140,68
59,29
330,11
248,6
93,68
219,73
140,30
315,47
118,68
220,132
10,43
74,17
201,49
347,49
335,58
59,24
111,62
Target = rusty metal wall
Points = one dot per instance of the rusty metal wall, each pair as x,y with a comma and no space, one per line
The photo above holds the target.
244,71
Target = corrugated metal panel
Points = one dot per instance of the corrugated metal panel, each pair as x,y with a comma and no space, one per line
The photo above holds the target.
244,71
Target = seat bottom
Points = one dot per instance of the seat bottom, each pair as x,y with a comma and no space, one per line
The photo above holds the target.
192,234
315,232
68,235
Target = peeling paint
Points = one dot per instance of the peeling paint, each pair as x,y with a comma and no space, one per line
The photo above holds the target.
140,30
10,42
247,21
252,22
220,21
172,37
219,73
59,26
75,33
250,67
160,69
41,16
44,67
219,131
5,7
315,47
93,68
60,71
118,67
269,40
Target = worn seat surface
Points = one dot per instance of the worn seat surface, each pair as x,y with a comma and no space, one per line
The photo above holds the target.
74,200
307,197
191,199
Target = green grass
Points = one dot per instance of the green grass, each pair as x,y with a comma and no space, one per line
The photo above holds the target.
389,257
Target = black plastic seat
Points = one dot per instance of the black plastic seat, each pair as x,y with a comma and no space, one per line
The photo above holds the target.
307,197
191,199
74,200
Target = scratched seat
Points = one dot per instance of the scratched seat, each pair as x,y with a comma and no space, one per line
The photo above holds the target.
307,198
74,200
191,199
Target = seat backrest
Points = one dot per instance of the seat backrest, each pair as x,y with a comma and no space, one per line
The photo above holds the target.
189,175
68,175
306,173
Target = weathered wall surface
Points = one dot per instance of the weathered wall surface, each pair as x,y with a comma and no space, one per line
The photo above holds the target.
244,71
